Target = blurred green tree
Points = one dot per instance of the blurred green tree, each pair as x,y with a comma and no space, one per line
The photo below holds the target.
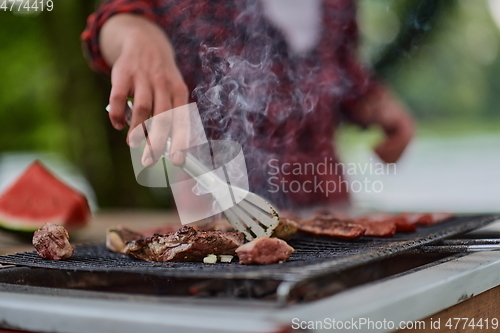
52,101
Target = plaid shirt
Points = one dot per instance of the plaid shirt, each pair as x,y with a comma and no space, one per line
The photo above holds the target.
296,107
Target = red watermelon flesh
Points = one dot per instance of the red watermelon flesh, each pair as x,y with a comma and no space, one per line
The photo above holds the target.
38,197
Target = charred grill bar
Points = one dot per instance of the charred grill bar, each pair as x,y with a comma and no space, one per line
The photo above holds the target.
319,268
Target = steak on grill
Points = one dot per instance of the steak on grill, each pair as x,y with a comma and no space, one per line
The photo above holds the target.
402,224
377,228
327,225
264,251
426,219
118,236
389,224
285,229
185,244
51,241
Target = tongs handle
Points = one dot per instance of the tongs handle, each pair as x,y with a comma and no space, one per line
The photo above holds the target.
192,166
462,246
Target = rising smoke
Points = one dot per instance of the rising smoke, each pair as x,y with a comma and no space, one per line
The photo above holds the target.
242,99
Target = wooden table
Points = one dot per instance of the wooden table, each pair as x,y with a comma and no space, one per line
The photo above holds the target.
483,306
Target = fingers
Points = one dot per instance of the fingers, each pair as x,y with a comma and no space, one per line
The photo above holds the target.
144,67
143,102
389,151
121,85
169,118
155,94
180,134
382,108
179,93
398,137
160,127
181,124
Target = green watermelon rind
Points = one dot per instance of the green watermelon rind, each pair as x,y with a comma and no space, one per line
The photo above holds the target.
30,226
73,216
9,227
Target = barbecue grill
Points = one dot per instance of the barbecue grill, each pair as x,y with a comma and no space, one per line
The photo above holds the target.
320,270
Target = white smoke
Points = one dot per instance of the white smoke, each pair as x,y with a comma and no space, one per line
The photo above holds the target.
241,86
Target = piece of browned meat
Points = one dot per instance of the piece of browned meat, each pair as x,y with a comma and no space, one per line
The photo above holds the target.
426,219
212,224
332,227
402,225
377,227
186,244
434,218
51,241
285,229
118,236
264,251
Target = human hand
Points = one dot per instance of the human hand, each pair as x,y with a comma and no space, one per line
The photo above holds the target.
385,110
143,67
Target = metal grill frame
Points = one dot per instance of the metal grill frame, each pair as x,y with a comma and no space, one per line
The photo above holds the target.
315,257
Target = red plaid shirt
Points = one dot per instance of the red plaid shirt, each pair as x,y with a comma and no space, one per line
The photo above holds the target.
296,108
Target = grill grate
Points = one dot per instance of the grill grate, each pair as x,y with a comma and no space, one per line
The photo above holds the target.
314,256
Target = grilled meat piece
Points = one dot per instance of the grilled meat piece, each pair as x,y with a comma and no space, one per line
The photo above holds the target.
426,219
285,229
118,236
434,218
400,223
264,251
375,225
377,228
332,227
51,241
186,244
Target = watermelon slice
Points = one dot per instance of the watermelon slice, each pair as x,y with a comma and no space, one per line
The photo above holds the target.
38,197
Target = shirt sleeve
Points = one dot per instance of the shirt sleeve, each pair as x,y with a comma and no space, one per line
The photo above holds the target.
90,36
359,82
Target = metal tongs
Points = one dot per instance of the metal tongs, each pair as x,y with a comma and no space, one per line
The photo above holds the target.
250,214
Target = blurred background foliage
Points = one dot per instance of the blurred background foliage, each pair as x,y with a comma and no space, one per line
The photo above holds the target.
51,101
441,58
